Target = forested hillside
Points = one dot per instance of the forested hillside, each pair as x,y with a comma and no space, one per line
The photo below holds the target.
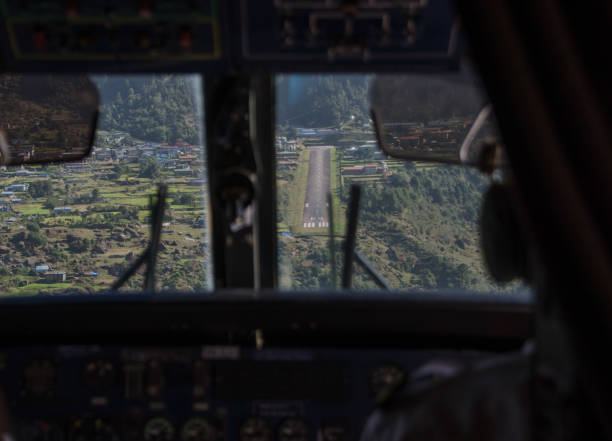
322,100
418,222
157,108
423,98
331,100
419,229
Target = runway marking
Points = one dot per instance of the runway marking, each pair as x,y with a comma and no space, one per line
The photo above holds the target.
315,205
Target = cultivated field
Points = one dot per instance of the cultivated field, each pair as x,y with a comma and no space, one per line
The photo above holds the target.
92,222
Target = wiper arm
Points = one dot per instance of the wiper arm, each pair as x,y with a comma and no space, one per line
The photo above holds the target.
351,233
478,124
372,272
332,240
150,254
350,252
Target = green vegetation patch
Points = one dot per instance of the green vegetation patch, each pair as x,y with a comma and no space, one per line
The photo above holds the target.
139,201
30,209
36,288
297,195
336,191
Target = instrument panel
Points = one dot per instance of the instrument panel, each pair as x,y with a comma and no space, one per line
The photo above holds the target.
200,393
217,36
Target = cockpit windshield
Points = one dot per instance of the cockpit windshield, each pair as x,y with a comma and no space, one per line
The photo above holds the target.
77,227
418,221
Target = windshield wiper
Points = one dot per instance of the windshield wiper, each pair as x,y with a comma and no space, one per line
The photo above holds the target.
150,255
478,124
350,252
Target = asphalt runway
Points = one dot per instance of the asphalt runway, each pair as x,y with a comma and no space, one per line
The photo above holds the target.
317,187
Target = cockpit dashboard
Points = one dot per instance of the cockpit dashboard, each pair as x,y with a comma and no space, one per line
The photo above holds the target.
252,369
236,363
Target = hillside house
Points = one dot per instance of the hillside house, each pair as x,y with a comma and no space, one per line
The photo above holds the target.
39,269
287,156
410,141
102,155
356,170
188,159
367,169
18,187
112,137
77,167
54,276
370,169
380,155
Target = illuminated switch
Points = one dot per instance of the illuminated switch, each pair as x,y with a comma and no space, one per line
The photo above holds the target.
143,40
39,39
144,8
134,381
72,8
185,39
85,40
201,380
155,379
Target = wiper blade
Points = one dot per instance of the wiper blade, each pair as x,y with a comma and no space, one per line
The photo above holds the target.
481,119
351,233
372,272
350,252
332,241
150,254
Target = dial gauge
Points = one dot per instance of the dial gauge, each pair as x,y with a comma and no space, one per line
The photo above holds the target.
255,429
293,429
198,429
334,433
39,431
386,377
39,378
159,429
92,430
98,374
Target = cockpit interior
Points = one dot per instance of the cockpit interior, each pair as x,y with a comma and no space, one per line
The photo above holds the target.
304,220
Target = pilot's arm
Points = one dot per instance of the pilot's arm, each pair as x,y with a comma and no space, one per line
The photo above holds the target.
489,402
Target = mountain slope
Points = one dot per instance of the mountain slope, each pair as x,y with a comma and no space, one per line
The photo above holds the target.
157,108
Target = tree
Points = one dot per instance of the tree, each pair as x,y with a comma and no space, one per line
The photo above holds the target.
51,203
121,169
150,168
186,199
33,227
158,108
95,194
36,239
39,189
428,279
